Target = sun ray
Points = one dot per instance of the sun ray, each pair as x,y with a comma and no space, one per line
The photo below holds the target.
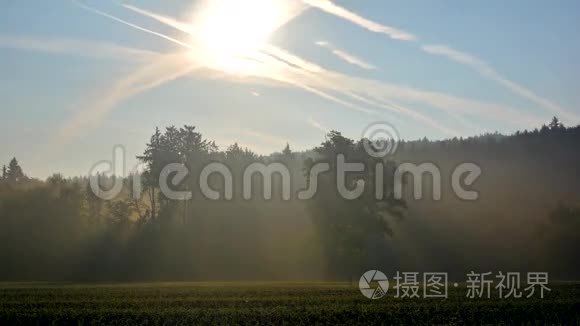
150,75
232,38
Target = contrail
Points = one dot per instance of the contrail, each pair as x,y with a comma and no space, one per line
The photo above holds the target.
305,73
389,105
287,57
346,56
186,28
446,102
146,30
482,67
277,52
292,12
151,75
322,83
325,95
290,69
331,8
487,71
89,49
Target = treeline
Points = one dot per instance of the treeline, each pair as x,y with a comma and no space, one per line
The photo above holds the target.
526,217
64,226
59,229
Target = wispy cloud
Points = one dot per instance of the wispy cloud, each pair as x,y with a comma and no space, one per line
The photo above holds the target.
146,77
286,68
331,84
184,27
293,59
334,9
91,49
281,57
485,70
317,125
350,58
479,65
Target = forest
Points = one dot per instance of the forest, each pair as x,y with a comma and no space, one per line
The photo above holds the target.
527,216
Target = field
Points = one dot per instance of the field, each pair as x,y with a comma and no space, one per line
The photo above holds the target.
267,303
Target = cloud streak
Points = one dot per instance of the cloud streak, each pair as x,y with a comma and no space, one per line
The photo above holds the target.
90,49
150,75
338,87
485,70
345,56
289,69
135,26
186,28
309,77
317,125
334,9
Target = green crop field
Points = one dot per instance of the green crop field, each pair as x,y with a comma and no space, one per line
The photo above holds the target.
267,303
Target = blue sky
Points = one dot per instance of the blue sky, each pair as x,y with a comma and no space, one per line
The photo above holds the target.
511,65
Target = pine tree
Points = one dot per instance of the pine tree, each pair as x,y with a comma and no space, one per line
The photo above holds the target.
4,173
555,124
287,152
14,172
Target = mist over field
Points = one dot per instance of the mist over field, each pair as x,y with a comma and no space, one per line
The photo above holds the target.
525,218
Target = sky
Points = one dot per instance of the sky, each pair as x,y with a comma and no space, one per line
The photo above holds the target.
79,77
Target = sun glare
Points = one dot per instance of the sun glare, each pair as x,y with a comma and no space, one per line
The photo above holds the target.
230,33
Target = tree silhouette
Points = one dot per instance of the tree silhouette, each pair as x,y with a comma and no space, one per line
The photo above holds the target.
175,145
347,227
555,124
287,152
14,172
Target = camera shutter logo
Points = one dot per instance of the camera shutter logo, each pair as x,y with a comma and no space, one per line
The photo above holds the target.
374,284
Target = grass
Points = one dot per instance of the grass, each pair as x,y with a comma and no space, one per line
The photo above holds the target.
267,303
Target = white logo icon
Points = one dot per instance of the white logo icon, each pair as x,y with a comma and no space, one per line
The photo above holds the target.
381,139
373,284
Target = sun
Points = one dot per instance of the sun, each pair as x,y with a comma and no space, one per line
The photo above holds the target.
229,34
